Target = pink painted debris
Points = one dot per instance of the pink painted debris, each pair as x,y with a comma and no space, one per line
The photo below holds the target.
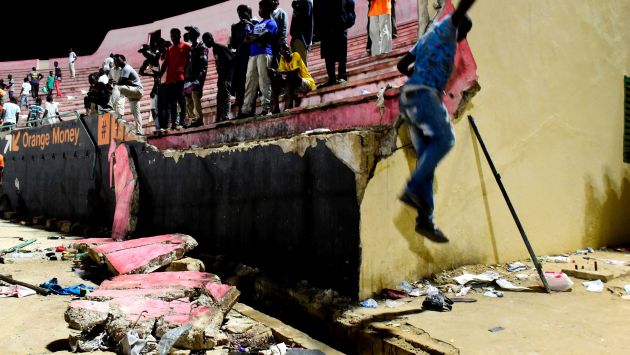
143,255
123,172
158,302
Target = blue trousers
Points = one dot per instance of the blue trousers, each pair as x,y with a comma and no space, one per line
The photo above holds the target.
432,136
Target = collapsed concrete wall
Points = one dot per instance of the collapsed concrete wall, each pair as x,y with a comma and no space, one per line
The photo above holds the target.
289,206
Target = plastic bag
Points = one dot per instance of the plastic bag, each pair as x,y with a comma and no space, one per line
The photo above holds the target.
558,281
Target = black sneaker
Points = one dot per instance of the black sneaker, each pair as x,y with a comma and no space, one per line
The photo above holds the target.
430,231
326,84
413,200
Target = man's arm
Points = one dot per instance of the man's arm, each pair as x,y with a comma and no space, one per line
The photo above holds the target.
404,64
460,11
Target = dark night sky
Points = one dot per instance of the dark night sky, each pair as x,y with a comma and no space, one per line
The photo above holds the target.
81,24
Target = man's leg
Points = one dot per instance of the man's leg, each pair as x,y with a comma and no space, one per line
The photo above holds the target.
118,100
385,32
394,27
375,35
190,107
298,46
223,101
264,81
72,70
343,75
181,102
330,69
251,86
35,90
135,95
196,97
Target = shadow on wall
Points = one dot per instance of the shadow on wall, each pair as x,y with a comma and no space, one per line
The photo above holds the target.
484,193
405,220
607,213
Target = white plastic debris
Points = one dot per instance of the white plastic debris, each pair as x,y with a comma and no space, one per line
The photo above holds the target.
486,277
393,304
616,262
516,266
594,286
493,294
463,292
557,259
369,303
507,285
432,290
522,276
627,289
558,281
132,344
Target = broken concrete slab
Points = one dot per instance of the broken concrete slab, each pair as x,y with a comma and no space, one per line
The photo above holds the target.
142,255
152,304
186,264
603,275
124,177
84,315
83,245
246,331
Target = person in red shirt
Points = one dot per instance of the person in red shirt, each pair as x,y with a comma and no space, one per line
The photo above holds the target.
175,61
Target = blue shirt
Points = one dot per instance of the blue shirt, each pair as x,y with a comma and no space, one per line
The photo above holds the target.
36,111
270,26
435,55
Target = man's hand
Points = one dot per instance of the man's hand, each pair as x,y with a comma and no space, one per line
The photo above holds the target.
460,11
404,64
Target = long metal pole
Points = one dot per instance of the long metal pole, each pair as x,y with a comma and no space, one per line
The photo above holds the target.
509,203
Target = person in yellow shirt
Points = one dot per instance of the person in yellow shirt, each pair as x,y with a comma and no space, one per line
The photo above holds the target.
292,73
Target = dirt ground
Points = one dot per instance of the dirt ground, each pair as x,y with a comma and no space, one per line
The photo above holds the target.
35,324
575,322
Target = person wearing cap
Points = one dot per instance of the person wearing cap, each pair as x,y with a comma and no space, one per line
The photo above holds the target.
175,61
223,60
260,56
195,76
129,86
152,63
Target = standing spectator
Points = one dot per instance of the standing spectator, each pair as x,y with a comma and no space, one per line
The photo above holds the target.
34,78
25,92
3,92
177,56
282,21
51,110
50,82
57,79
302,28
380,26
335,17
72,58
130,86
394,27
152,64
239,32
35,113
10,112
264,35
223,59
195,76
108,63
11,86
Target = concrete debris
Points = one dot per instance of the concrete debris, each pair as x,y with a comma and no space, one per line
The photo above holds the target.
246,332
142,255
154,304
124,178
186,264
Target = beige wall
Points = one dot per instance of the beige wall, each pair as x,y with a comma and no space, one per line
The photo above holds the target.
551,113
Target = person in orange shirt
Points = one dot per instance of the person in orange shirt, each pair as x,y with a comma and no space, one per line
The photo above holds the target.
1,167
380,16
